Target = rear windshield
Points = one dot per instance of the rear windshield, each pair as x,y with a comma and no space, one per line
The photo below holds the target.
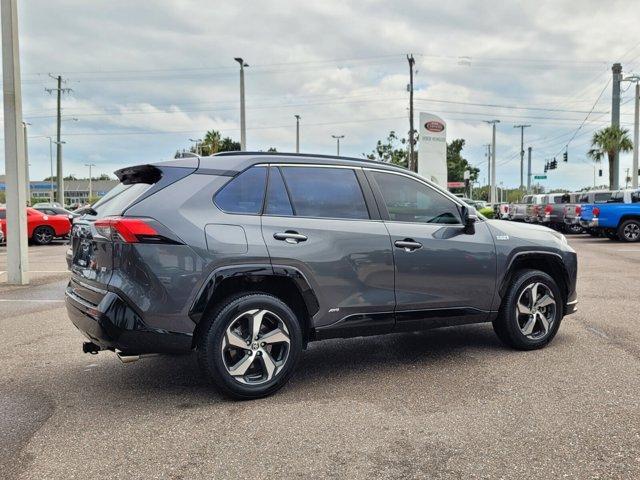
119,198
602,197
3,214
527,199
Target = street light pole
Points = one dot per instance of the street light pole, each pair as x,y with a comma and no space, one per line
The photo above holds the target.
243,127
198,142
90,180
16,213
338,137
297,133
492,198
634,175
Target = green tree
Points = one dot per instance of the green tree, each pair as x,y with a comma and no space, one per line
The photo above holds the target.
609,141
457,164
213,142
393,150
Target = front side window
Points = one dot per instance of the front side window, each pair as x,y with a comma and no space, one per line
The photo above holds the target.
408,200
635,197
245,193
325,192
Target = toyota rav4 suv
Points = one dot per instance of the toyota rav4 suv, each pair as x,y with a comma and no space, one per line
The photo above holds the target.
247,257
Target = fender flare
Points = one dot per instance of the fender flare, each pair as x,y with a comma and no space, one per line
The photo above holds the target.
219,275
508,271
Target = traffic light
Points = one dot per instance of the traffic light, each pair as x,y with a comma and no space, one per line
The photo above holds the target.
546,167
600,172
565,156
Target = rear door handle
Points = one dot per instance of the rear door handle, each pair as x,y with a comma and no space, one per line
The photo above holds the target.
408,244
290,237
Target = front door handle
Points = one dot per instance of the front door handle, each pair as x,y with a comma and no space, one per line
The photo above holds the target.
290,236
408,244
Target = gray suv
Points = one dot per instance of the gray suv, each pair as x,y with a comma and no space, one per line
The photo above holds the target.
247,257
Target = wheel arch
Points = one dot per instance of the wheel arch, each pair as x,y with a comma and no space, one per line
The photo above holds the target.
284,282
548,262
629,216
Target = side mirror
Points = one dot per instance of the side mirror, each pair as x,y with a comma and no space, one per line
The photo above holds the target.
469,218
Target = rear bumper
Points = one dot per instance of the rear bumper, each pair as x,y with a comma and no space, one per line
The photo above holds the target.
114,325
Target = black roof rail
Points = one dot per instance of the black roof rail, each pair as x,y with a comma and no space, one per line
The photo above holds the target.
305,155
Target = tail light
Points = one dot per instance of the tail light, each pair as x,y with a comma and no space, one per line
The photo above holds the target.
578,209
596,211
548,209
127,230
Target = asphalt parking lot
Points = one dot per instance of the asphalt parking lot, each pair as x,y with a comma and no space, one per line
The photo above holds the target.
451,403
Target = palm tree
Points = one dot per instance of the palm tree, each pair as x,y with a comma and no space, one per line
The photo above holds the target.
609,141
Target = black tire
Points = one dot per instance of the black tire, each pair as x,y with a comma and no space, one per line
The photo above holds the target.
574,229
210,345
629,230
43,235
508,323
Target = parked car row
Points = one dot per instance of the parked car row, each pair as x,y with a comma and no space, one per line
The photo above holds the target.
42,227
614,214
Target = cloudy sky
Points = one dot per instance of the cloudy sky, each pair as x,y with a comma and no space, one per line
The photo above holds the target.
148,76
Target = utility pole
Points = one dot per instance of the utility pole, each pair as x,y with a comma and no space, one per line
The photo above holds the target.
59,175
412,148
297,133
529,171
492,198
51,165
521,127
243,126
16,213
488,155
90,180
634,175
338,137
614,177
26,161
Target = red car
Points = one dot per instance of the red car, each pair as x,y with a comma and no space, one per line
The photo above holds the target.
41,228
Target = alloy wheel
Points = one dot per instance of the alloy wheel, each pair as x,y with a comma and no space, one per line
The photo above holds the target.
536,310
255,346
43,236
631,231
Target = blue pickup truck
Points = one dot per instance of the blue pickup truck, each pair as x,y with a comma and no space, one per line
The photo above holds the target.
619,218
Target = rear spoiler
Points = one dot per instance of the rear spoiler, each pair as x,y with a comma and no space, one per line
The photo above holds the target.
139,174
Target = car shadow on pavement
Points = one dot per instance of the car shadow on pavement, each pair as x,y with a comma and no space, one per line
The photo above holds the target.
177,380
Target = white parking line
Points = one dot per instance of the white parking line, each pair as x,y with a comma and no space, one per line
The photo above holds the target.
629,250
23,300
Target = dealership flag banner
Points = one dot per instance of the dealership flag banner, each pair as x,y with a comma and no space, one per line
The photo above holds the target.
432,154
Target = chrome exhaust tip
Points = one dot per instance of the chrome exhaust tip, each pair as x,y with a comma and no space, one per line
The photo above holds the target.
127,358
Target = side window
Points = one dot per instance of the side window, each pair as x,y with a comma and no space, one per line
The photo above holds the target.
601,197
243,194
325,192
408,200
277,197
635,197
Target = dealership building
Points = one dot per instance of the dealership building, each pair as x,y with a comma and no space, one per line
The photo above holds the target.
76,192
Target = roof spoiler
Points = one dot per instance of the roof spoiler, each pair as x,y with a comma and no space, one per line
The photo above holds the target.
139,174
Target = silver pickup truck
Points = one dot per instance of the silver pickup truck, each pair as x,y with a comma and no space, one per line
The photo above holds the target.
525,211
554,206
572,210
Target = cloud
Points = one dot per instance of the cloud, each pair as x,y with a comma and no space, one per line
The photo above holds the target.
147,76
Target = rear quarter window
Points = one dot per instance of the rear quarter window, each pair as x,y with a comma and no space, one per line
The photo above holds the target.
244,194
